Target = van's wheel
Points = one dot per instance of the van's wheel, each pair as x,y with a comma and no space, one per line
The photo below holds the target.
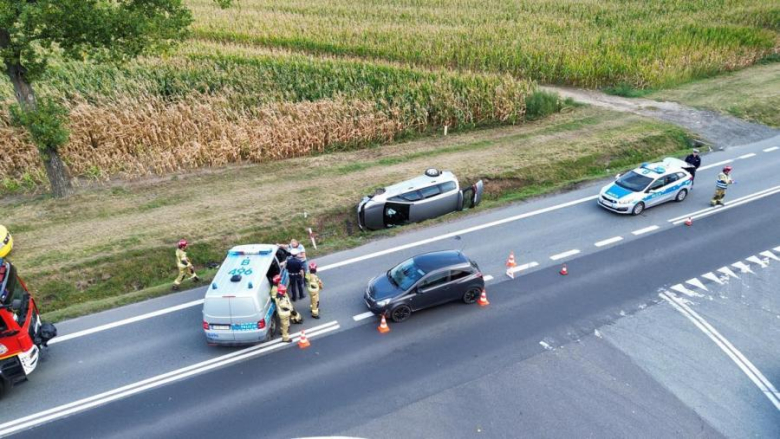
3,388
471,295
269,335
638,208
400,313
681,195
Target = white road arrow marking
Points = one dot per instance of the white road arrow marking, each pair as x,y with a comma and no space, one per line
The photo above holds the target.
727,271
696,283
711,276
681,289
756,260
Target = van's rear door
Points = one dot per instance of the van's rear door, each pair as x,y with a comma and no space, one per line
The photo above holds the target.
217,312
245,313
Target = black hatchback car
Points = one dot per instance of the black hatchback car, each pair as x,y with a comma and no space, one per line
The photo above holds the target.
424,281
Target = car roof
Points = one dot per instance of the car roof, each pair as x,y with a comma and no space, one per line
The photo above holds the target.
434,260
414,184
259,256
657,169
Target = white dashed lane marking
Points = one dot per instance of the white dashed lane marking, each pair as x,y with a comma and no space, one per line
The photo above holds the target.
747,156
524,267
564,254
724,162
645,230
363,316
609,241
774,148
488,278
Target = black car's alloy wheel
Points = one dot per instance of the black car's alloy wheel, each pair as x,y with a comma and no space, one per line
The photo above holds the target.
400,313
471,295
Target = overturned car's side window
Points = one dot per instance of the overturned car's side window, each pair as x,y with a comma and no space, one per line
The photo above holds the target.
430,191
409,196
448,186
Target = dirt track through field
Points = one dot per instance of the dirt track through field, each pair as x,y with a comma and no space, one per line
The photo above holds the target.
719,130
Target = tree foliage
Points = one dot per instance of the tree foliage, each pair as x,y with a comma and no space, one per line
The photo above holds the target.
45,124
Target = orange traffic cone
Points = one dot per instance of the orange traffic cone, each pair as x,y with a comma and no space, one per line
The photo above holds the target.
383,328
483,299
510,264
564,271
689,221
303,342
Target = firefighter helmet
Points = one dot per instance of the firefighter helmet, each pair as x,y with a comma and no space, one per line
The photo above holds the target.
277,279
313,267
282,289
727,169
182,243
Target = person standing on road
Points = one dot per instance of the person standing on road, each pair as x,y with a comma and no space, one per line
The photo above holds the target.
296,272
314,285
295,245
694,160
724,180
184,265
284,310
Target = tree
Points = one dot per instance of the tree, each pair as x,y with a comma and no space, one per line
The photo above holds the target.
34,31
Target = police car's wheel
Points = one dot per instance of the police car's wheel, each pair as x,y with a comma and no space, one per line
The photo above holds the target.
269,335
638,208
400,313
681,195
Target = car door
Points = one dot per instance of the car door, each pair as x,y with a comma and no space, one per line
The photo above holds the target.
669,190
471,196
654,192
432,290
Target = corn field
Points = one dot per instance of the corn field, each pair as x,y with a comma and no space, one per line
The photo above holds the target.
156,117
272,79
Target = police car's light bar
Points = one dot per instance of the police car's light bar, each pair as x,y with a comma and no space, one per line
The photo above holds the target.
246,253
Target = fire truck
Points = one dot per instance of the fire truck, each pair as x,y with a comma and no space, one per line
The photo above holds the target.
22,333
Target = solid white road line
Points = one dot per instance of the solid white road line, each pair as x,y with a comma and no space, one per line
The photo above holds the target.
609,241
743,363
487,278
564,254
645,230
681,289
363,316
747,156
724,162
730,205
524,267
123,322
457,233
709,209
774,148
157,381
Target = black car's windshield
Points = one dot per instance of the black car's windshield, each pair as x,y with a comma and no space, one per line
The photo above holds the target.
633,181
406,274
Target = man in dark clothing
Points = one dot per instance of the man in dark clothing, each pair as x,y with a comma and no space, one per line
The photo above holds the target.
694,161
296,272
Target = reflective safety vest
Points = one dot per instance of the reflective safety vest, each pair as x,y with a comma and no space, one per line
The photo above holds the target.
723,181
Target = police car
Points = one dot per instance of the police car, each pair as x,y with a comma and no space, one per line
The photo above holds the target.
647,186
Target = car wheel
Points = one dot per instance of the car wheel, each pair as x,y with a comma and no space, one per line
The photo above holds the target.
681,195
400,313
3,387
638,208
471,295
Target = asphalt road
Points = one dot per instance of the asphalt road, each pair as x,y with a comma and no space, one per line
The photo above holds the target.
104,361
461,371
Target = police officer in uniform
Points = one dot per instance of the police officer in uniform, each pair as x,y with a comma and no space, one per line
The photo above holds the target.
314,285
184,265
724,180
694,161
